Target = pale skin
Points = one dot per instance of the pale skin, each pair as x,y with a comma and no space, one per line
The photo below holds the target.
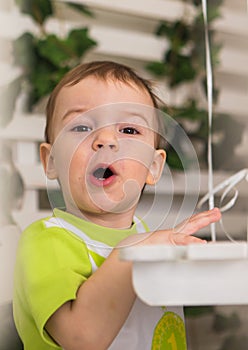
93,320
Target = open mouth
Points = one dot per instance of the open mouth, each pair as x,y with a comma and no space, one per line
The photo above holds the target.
103,173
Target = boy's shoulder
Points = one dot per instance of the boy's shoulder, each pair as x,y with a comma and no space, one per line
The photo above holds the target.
39,225
46,223
47,232
44,227
58,224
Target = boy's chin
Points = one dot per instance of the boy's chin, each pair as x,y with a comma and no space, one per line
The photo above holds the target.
115,207
117,203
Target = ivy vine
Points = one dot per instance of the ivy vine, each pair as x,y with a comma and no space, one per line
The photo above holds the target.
183,62
45,58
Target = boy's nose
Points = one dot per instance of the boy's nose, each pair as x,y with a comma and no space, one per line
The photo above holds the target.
105,138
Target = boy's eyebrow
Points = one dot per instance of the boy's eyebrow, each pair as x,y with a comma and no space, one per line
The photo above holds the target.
128,112
74,110
137,114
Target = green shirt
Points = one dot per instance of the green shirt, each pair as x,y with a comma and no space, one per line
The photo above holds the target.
52,262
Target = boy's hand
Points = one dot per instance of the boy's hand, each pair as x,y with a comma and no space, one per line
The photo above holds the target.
182,233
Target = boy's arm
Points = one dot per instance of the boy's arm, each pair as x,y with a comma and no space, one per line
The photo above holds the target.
103,302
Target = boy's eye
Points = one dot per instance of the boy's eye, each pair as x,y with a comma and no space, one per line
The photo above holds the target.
129,130
81,128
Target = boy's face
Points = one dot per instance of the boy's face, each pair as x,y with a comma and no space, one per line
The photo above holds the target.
103,146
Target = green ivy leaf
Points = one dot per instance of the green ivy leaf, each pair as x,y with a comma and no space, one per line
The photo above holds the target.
54,50
164,29
39,10
213,10
215,53
44,79
23,51
41,80
181,34
223,323
195,311
197,2
181,68
173,160
79,41
177,33
190,111
61,51
203,130
81,8
8,95
157,68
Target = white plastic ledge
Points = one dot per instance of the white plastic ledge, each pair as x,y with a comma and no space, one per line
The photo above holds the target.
211,274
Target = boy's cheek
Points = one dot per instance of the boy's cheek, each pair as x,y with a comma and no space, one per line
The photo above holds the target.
63,151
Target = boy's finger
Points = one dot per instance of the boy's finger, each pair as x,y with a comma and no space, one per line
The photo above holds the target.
182,239
198,221
206,213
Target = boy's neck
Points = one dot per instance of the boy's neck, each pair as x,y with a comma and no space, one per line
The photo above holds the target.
111,220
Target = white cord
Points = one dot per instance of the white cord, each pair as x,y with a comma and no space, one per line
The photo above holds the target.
210,114
229,185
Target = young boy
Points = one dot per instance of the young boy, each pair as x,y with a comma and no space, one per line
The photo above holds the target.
102,145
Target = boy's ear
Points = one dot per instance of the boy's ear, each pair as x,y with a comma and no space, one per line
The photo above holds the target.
48,161
156,167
